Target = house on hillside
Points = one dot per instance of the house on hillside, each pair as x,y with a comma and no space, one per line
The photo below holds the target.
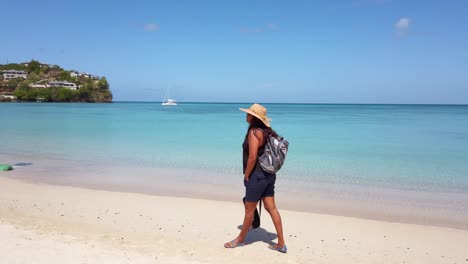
84,74
7,96
65,84
88,75
12,74
35,85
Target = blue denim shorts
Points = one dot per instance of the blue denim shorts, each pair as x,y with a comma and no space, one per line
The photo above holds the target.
260,184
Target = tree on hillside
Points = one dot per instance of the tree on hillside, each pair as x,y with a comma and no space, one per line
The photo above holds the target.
84,94
45,70
103,84
13,83
20,93
64,95
32,78
34,67
13,66
106,96
64,76
31,95
44,93
25,93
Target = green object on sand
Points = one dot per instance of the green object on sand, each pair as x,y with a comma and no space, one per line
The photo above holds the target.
5,167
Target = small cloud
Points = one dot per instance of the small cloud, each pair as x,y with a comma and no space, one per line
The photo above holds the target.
151,27
402,26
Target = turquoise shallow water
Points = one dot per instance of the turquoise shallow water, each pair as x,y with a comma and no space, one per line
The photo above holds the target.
395,146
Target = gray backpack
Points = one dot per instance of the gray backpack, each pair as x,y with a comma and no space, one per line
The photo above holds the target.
274,154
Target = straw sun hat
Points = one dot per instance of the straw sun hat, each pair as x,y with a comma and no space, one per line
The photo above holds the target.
259,111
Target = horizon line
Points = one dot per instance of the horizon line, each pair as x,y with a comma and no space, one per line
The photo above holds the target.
206,102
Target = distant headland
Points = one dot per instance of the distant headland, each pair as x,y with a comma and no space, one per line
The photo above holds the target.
39,82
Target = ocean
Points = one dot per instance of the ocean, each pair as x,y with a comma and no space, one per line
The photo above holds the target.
365,152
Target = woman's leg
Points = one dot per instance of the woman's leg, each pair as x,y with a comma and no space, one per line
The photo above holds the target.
270,206
248,218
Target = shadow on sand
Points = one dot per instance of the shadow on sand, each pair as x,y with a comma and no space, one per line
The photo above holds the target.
259,234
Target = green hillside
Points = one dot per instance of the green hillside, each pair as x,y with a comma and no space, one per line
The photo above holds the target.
43,82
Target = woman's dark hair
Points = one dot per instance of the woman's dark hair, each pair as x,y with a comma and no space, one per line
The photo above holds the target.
257,123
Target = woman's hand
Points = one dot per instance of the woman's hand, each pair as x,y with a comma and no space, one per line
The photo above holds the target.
246,178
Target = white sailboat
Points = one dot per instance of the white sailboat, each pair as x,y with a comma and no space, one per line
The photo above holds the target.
167,101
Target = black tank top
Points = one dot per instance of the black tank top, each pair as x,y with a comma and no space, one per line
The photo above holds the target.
245,153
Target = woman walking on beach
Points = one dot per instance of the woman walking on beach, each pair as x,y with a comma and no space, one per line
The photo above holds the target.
259,184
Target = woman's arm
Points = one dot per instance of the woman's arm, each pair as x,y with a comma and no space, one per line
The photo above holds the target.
255,138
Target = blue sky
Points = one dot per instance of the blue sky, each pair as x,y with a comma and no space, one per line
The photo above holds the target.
343,51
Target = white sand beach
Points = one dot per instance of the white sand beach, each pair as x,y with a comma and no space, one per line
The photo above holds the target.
42,223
